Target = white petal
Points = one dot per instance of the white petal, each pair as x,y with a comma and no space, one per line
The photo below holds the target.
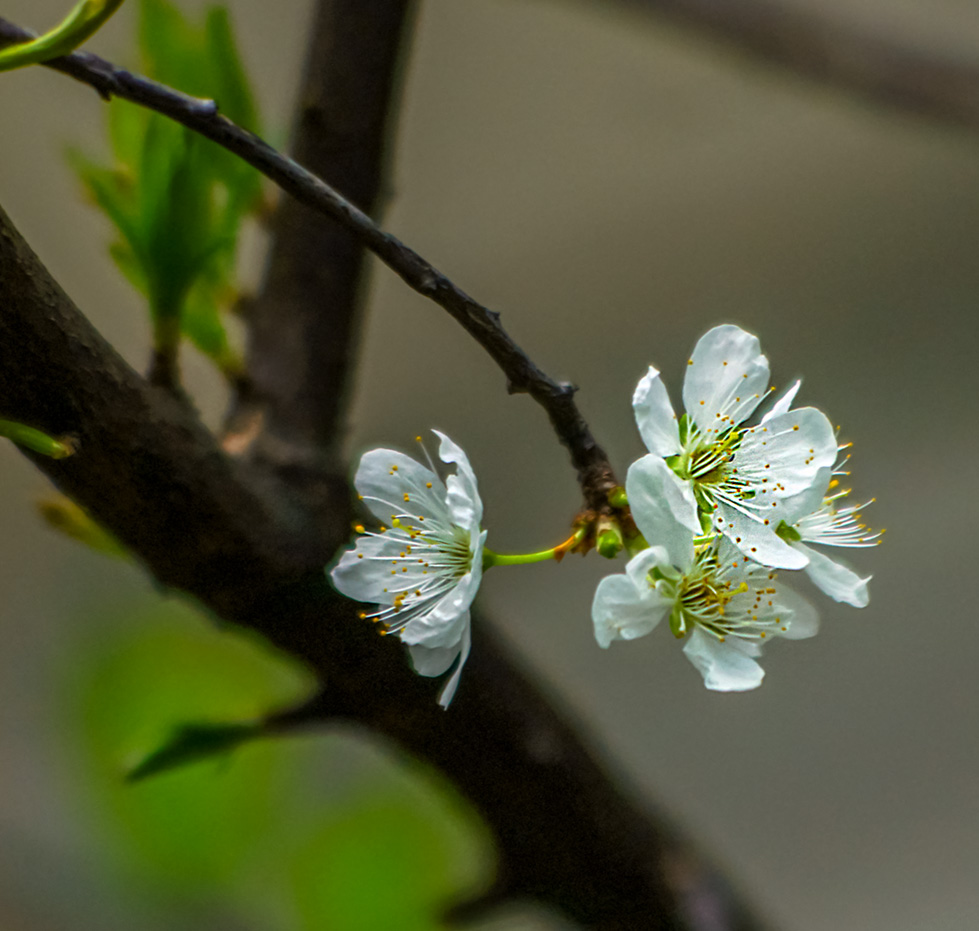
639,567
792,509
803,618
790,450
727,364
782,405
654,415
663,508
432,661
385,476
363,572
757,541
449,689
443,625
835,579
623,611
464,502
726,667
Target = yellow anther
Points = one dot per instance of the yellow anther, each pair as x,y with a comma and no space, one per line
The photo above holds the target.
359,528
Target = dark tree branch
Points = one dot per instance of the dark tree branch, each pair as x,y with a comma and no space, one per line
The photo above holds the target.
303,326
818,47
244,547
595,473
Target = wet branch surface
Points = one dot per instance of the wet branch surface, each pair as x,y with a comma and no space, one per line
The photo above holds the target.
241,542
595,474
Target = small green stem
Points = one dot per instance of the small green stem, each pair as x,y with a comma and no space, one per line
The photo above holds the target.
519,559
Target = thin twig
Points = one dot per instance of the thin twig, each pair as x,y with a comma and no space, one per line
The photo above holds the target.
819,47
595,474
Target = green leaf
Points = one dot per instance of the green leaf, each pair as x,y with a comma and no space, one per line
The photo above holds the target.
191,743
393,859
231,86
192,832
177,200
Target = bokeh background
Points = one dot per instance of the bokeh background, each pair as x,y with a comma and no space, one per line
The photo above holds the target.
614,186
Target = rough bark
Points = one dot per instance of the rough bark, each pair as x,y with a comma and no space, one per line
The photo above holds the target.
242,544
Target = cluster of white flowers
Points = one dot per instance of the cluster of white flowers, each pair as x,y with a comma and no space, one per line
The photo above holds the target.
726,504
721,502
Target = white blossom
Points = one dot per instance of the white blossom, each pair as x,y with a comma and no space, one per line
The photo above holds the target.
723,604
723,474
424,569
814,517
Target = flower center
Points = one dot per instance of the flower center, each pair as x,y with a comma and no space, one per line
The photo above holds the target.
706,462
722,601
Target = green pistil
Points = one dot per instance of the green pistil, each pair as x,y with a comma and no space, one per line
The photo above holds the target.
788,532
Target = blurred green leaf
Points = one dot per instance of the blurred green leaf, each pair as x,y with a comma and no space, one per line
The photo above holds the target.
191,743
326,831
177,200
191,831
395,859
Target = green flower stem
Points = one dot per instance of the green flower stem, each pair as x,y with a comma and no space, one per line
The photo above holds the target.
519,559
84,20
35,439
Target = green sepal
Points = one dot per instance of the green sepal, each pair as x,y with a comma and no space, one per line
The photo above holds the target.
609,541
35,440
617,497
191,743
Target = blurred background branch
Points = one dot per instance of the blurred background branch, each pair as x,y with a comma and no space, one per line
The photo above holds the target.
813,43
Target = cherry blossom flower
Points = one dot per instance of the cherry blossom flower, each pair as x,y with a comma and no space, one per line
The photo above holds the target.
723,604
813,517
723,474
424,569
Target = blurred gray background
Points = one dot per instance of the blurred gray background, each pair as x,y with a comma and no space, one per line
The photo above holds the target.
615,186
